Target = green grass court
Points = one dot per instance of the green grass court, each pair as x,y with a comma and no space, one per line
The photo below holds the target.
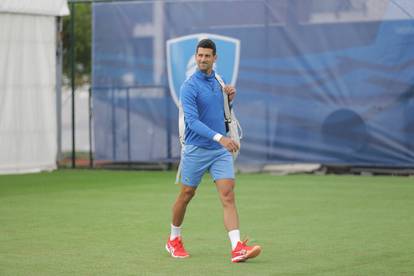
116,223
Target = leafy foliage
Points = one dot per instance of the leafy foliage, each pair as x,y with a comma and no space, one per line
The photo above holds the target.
82,43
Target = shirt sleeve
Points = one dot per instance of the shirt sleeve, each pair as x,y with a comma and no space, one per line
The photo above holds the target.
191,116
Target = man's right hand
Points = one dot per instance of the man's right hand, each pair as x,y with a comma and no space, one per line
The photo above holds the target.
229,144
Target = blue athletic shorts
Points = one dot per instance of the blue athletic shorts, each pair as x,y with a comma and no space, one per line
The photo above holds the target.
195,161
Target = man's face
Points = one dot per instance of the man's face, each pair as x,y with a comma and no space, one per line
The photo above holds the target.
205,59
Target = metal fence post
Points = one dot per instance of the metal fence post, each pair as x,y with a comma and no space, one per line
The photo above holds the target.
72,63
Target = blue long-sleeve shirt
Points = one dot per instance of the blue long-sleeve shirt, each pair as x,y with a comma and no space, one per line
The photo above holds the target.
202,102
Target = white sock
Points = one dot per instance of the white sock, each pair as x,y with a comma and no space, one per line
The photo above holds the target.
175,232
234,236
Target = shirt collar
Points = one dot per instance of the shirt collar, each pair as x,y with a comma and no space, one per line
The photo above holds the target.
204,76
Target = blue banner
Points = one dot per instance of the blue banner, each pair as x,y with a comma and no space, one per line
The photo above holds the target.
317,81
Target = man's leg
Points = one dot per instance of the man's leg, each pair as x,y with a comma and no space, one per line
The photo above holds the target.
174,244
193,167
222,171
225,188
240,250
180,205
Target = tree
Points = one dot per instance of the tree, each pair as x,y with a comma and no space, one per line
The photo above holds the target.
82,31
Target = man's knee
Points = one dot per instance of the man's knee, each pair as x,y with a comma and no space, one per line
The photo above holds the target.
227,197
187,193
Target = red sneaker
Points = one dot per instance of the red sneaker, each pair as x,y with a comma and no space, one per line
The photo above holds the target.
176,248
242,252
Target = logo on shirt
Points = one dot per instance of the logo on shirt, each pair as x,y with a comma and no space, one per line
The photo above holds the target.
181,63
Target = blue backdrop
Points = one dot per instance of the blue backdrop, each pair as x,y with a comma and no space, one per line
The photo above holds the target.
318,81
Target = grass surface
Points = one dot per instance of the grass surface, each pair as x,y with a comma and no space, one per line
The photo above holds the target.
116,223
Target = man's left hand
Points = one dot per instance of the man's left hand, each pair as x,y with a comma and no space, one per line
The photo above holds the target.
230,91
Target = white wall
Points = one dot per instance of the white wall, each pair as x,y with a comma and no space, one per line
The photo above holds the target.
27,93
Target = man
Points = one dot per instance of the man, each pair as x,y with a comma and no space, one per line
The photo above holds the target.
207,148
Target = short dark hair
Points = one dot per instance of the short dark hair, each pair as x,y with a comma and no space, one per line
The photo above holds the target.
207,43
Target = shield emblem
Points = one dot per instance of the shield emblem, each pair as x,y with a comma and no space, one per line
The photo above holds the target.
181,63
